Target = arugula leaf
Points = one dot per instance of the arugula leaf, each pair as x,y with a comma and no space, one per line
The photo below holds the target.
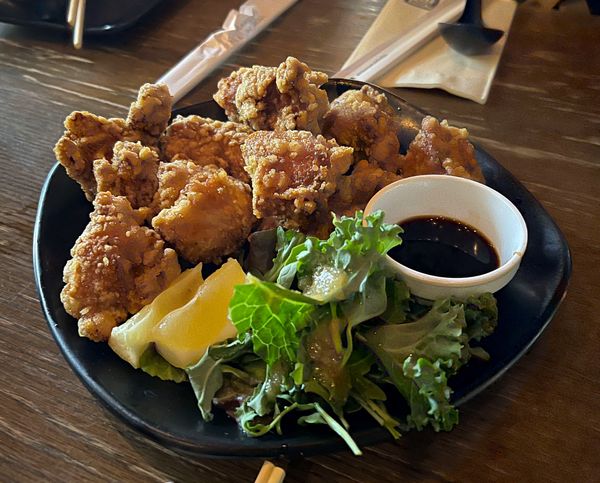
276,382
274,316
263,401
260,253
151,362
206,376
289,247
398,302
323,370
320,416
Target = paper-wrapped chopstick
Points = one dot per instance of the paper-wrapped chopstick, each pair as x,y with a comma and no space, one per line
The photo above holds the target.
382,58
239,27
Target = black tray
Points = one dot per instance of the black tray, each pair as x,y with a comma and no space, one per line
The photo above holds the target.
101,16
167,412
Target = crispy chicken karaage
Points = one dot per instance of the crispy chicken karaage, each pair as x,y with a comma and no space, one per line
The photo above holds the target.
364,120
268,98
89,137
357,188
117,267
294,173
204,184
149,115
132,172
441,149
202,211
206,141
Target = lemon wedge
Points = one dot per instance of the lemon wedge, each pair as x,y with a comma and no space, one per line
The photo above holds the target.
184,334
130,339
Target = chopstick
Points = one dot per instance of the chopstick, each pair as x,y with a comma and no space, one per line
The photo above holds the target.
72,8
269,473
78,28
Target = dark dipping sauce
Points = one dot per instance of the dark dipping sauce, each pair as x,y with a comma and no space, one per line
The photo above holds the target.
445,248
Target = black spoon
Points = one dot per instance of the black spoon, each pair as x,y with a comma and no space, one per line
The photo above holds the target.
469,36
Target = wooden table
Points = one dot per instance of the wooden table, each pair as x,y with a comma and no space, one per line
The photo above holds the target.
540,422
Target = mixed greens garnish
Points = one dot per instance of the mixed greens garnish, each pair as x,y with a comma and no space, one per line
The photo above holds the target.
328,330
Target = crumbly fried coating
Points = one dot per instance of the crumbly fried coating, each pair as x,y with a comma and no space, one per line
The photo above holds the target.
89,137
294,173
272,98
132,172
206,141
364,120
149,115
441,149
117,267
356,189
204,213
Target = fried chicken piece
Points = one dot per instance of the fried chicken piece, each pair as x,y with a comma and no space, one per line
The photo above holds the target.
89,137
267,98
364,120
149,115
203,212
132,173
441,149
206,141
357,188
117,267
294,173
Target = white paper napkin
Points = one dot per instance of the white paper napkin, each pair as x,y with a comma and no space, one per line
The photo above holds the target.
436,64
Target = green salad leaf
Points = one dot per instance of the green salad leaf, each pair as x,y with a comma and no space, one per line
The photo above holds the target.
333,269
327,329
156,365
481,315
324,372
274,316
416,355
206,376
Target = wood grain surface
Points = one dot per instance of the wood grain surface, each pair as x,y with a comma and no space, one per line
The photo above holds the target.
540,422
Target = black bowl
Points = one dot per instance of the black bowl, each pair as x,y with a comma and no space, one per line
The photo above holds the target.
167,412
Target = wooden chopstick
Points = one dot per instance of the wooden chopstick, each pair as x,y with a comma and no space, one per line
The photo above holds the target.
71,10
269,473
78,28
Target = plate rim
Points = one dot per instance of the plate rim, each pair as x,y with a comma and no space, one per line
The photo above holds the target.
369,436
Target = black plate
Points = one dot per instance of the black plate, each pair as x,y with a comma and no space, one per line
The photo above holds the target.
167,411
100,15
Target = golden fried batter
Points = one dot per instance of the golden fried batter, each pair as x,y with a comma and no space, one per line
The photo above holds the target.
356,189
441,149
149,115
117,267
89,137
132,173
206,141
204,213
294,173
266,98
364,120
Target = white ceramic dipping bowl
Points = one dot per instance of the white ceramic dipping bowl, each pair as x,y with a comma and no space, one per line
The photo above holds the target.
470,202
